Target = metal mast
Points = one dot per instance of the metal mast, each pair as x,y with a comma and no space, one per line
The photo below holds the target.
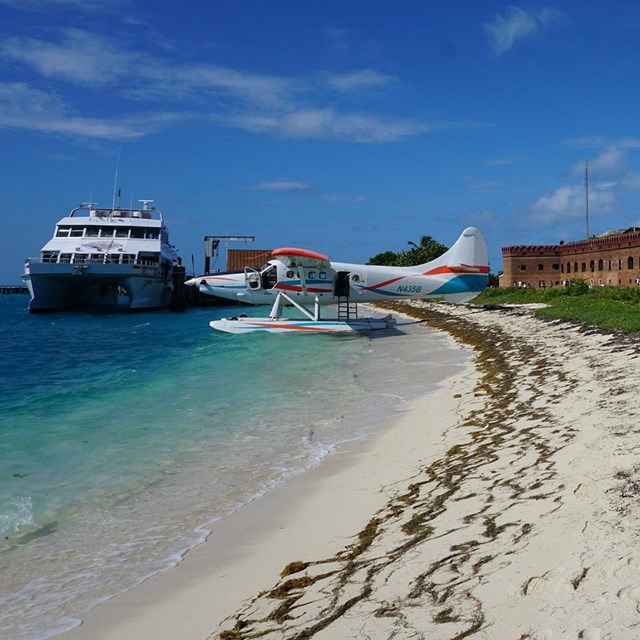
586,195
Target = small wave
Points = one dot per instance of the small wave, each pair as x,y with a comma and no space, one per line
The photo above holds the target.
16,514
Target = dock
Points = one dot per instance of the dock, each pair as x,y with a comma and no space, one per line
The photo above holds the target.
7,289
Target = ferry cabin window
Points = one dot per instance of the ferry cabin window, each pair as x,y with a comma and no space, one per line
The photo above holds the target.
49,256
152,234
65,258
149,259
76,232
128,258
62,232
122,233
80,258
137,232
92,232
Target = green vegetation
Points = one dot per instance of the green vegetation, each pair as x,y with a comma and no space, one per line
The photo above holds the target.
428,249
615,308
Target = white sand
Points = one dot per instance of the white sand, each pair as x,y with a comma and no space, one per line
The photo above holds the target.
504,505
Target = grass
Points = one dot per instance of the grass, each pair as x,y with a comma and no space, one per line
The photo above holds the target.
616,308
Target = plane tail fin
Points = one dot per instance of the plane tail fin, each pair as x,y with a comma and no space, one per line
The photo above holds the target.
468,250
467,264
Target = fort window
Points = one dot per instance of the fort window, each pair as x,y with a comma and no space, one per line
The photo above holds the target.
600,265
523,267
540,267
584,267
619,265
568,267
555,266
609,269
630,262
575,267
592,266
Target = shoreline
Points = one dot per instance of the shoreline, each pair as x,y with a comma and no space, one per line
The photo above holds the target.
247,550
514,517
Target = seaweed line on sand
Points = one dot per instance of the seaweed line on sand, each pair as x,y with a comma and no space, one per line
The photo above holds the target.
447,527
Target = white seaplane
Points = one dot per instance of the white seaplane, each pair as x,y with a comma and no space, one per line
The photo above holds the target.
307,280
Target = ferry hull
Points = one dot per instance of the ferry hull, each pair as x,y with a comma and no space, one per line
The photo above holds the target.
65,286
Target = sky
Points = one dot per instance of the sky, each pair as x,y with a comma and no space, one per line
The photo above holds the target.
347,127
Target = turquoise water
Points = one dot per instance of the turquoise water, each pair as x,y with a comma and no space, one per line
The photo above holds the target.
124,436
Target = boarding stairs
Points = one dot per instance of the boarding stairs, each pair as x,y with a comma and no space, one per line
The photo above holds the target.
347,310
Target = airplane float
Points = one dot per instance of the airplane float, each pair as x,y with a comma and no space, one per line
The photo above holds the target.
301,278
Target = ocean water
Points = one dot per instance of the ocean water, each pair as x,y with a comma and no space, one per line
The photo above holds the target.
124,436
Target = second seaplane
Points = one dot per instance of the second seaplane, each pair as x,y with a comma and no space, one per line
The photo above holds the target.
307,281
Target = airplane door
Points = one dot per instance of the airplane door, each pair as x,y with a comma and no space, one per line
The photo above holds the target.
252,279
341,286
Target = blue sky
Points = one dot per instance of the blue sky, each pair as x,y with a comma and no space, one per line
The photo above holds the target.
347,127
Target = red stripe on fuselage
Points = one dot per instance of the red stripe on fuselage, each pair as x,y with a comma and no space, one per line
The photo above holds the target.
463,268
383,284
298,288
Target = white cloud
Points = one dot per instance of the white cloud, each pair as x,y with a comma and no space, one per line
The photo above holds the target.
601,142
517,24
88,59
631,181
330,124
23,107
569,202
253,102
611,162
81,58
282,186
43,5
359,80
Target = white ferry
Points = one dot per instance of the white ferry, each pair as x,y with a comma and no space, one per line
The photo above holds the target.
97,258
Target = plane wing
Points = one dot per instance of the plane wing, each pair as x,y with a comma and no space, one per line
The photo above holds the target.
293,257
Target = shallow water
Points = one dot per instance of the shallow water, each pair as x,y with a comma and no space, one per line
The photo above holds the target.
124,436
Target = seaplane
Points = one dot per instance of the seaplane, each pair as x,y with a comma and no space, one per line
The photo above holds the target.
307,281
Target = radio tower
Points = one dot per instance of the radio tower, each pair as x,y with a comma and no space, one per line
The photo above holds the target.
586,195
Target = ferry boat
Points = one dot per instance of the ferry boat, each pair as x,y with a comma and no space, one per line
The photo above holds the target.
103,258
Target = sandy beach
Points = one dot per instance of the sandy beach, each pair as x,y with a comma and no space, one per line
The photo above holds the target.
501,506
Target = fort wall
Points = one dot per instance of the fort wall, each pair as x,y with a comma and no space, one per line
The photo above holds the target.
613,259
